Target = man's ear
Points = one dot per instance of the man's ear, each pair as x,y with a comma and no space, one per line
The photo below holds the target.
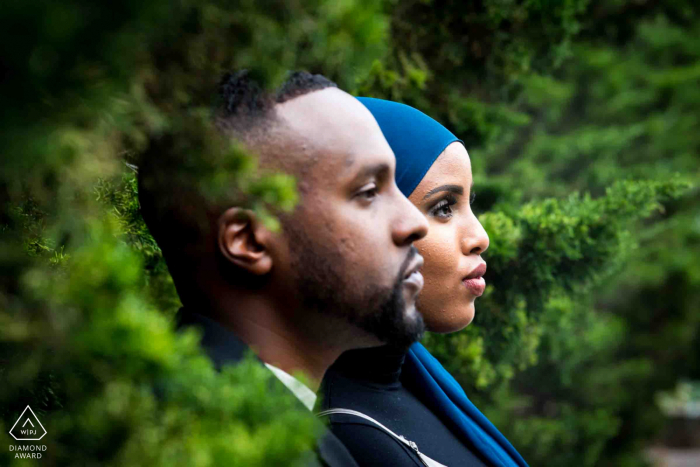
245,241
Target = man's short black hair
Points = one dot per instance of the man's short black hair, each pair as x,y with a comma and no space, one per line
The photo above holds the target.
299,83
246,111
243,99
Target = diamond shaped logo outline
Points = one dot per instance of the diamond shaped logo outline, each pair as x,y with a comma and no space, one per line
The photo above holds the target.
20,418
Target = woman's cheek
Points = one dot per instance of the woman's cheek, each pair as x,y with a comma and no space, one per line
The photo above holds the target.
440,273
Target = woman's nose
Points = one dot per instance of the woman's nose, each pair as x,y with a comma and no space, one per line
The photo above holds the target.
474,240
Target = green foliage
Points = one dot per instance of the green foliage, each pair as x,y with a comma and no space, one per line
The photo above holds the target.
591,307
581,121
130,391
544,248
86,336
629,111
683,400
608,341
460,60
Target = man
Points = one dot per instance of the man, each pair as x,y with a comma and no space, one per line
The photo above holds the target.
342,273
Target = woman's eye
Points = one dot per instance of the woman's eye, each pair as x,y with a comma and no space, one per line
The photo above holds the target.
443,209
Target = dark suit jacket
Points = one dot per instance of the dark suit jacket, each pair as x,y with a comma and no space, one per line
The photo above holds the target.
223,347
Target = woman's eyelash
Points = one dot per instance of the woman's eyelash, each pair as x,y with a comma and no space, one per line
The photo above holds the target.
443,208
472,197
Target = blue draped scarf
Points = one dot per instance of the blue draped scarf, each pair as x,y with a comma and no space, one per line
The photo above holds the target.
417,140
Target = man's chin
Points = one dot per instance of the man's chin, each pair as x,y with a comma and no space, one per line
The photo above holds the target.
412,330
412,313
401,335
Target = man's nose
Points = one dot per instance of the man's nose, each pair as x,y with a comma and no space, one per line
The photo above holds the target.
409,224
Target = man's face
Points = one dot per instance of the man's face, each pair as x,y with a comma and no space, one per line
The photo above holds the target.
349,241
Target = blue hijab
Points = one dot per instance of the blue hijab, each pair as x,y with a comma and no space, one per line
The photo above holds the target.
417,140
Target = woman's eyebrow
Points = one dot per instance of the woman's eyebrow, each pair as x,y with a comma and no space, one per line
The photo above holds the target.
451,188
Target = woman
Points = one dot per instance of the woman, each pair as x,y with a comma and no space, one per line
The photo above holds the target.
385,394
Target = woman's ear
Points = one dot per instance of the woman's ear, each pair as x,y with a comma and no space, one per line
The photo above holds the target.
244,241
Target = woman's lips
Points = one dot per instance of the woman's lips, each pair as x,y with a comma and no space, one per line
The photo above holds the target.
475,285
475,282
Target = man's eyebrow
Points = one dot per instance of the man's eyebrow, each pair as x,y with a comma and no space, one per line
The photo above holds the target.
372,170
451,188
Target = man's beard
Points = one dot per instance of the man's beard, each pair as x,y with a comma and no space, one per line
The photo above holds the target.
322,286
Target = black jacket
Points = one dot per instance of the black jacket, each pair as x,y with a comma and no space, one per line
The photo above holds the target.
223,347
370,381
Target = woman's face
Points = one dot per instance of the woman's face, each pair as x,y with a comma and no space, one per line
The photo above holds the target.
452,249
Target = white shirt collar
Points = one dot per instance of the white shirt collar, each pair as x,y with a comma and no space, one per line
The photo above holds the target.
300,390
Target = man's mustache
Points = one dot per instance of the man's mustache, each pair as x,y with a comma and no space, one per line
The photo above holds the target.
412,252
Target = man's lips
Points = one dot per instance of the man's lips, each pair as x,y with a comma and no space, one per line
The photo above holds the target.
415,266
474,282
413,278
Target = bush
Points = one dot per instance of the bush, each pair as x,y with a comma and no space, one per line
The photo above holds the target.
578,115
86,337
589,312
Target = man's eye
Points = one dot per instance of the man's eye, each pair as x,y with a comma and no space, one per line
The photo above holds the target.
368,193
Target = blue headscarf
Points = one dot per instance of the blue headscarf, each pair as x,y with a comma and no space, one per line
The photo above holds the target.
417,140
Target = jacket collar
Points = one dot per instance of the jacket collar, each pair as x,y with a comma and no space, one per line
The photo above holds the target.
224,348
221,345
